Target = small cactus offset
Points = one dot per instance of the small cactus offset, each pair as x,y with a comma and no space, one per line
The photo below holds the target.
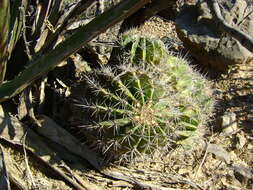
141,108
141,48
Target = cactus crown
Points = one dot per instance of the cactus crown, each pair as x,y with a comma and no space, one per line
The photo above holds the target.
147,103
142,48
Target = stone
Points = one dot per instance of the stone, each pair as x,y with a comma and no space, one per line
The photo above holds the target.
196,27
241,140
229,123
219,152
242,172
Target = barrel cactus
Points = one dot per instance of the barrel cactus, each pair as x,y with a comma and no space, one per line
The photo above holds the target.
137,109
140,48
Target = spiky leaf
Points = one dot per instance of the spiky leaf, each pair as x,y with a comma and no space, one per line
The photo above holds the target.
4,36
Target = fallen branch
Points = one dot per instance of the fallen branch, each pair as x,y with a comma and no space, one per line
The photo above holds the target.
28,170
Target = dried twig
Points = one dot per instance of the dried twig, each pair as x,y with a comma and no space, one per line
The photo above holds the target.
140,185
183,180
204,158
29,173
77,178
46,15
132,181
245,18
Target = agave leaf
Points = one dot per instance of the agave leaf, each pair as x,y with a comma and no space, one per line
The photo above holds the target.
68,16
83,35
16,22
55,11
4,31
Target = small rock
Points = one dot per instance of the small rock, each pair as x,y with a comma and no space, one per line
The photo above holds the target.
229,123
241,140
242,173
196,27
219,152
250,147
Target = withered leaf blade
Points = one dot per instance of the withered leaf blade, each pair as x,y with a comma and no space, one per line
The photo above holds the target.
51,130
4,177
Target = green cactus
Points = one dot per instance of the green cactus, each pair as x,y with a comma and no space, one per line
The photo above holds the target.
140,108
142,48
